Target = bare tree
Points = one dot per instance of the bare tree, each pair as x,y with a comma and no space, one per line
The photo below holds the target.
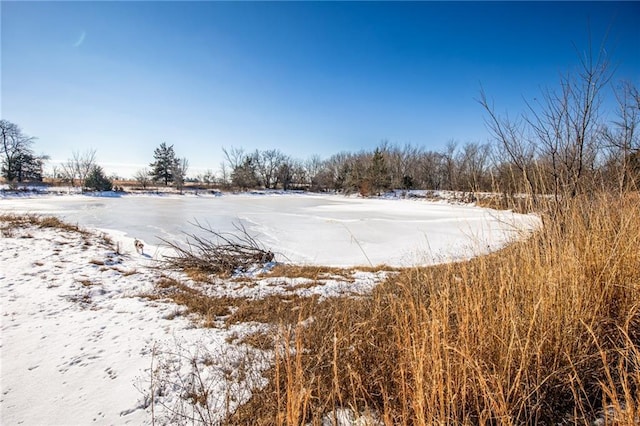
245,176
404,165
450,166
208,178
78,167
622,139
473,162
315,172
298,174
268,164
179,172
224,173
234,157
515,148
561,130
566,124
143,177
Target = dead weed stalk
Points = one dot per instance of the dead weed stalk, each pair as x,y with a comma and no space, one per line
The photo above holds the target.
546,331
218,253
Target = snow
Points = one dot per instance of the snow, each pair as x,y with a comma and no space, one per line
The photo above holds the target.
77,338
79,343
302,229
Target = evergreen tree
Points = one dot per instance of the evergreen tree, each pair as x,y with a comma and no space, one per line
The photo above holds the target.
23,167
96,180
162,167
379,173
17,160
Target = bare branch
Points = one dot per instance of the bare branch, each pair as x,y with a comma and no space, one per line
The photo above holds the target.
220,253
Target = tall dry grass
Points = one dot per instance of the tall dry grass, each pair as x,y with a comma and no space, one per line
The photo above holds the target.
546,331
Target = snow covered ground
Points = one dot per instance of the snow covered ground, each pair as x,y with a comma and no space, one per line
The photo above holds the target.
79,343
76,337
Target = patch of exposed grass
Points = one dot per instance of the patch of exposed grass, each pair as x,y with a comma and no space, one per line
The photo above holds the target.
127,273
310,272
316,273
23,220
10,222
274,309
54,222
304,285
207,308
261,340
198,275
84,300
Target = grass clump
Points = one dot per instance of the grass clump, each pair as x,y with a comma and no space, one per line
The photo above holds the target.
207,308
546,331
14,221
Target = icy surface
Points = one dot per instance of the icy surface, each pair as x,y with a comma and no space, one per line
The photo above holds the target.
302,229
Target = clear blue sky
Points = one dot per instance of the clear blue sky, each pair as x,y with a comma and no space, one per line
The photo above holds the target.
305,78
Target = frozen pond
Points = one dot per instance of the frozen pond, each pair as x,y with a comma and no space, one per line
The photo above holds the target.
305,229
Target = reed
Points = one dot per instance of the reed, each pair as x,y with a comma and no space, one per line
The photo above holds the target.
545,331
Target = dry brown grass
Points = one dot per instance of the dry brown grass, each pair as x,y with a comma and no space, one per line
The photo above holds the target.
517,203
311,272
207,309
546,331
198,275
261,340
275,309
317,273
86,282
23,220
11,222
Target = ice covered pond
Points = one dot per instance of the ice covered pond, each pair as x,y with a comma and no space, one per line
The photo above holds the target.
299,228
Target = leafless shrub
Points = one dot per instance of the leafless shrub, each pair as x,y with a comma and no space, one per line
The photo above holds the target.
202,374
218,253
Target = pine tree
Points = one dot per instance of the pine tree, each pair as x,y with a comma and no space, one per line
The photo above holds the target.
379,173
96,180
162,167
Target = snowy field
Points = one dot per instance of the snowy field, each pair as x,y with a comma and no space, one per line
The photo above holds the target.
79,343
301,229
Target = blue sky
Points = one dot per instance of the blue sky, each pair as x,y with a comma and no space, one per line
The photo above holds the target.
305,78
